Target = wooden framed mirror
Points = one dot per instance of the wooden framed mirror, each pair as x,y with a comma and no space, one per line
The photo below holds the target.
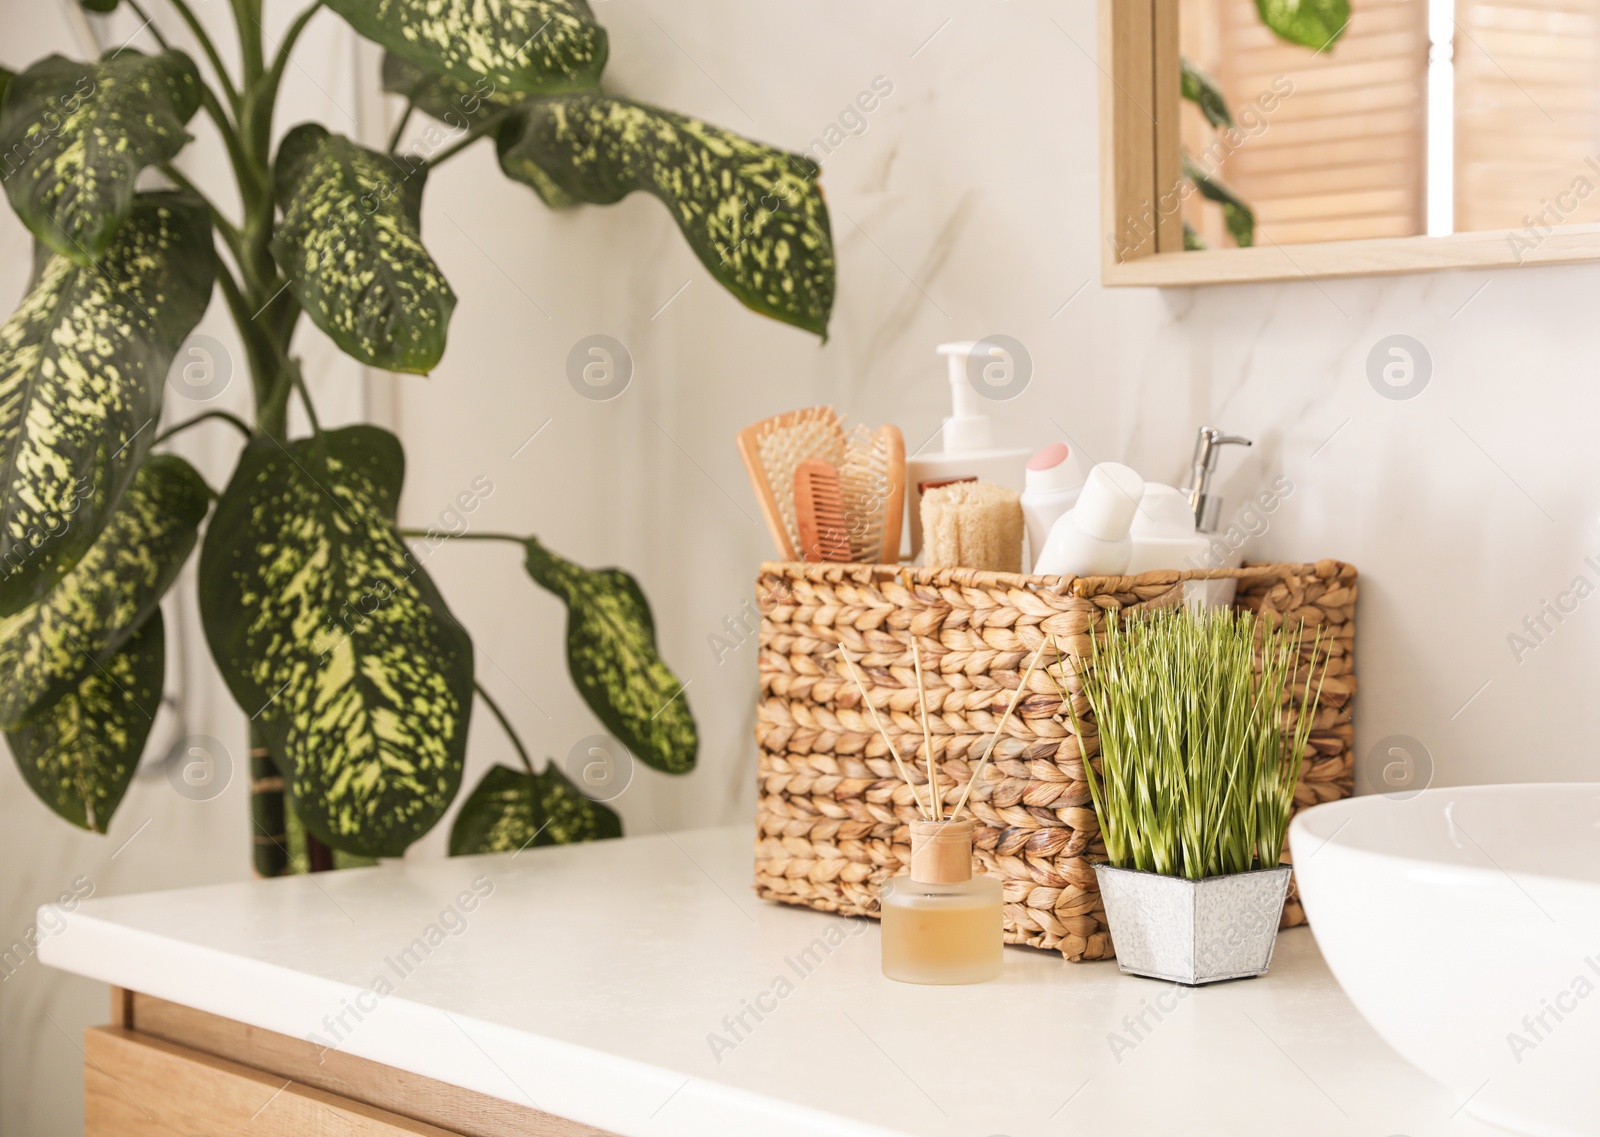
1419,135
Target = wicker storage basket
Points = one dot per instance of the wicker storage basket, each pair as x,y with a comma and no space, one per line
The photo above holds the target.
833,813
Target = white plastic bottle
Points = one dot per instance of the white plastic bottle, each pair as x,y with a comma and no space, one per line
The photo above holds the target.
1051,486
969,452
1163,532
1092,539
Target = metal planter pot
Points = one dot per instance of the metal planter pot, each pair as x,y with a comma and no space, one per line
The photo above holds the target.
1193,931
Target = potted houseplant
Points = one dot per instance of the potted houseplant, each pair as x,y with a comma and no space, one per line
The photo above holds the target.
1200,750
358,681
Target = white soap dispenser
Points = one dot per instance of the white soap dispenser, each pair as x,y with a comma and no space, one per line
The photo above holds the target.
1092,539
1163,533
969,452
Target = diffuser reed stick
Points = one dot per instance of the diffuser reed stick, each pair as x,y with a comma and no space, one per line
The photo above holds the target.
937,798
893,751
1016,698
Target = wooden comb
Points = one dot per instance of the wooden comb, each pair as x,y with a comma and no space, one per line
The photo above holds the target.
820,513
773,450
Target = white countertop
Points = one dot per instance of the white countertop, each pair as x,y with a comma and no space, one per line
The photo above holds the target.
588,982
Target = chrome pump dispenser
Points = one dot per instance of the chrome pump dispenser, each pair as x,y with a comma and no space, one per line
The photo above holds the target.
1207,449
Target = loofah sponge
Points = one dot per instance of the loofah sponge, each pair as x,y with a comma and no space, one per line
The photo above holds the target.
972,525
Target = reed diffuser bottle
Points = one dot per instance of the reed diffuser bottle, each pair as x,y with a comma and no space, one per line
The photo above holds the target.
941,924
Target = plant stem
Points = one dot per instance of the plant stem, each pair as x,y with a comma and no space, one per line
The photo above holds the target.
466,536
257,350
255,143
400,127
505,724
271,828
265,327
225,416
274,76
472,136
208,97
293,34
305,397
225,127
230,232
149,22
196,29
247,18
319,857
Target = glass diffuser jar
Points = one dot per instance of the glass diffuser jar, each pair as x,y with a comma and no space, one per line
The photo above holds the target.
940,923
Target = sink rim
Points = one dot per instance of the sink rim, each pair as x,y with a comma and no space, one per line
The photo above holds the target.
1323,823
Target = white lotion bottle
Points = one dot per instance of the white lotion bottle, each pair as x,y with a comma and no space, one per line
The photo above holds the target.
1051,486
969,452
1092,539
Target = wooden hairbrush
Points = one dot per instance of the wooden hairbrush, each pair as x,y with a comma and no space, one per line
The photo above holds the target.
870,473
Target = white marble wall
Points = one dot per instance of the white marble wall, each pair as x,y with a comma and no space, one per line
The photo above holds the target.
1467,507
966,207
963,208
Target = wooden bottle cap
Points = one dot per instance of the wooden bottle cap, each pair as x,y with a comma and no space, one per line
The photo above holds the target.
941,851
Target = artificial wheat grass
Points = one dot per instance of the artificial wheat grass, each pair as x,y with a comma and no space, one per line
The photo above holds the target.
1198,767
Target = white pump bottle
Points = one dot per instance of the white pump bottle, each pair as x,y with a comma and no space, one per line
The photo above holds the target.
969,452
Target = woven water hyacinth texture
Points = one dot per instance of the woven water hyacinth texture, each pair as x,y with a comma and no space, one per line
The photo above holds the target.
832,819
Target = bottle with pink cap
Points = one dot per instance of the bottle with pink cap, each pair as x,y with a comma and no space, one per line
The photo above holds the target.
1051,486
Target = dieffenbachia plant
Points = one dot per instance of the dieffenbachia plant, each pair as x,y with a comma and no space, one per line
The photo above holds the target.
1316,24
357,680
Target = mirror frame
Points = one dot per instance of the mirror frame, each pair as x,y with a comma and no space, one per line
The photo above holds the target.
1140,151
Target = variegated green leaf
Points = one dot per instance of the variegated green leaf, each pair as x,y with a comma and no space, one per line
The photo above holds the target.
511,811
519,45
1236,214
80,753
518,164
458,103
350,244
47,648
1202,90
461,107
611,653
334,640
754,215
1316,24
74,137
571,817
83,363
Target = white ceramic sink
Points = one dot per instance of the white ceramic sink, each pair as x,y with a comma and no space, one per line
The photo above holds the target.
1465,925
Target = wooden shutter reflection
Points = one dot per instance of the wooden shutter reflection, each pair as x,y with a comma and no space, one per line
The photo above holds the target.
1527,112
1343,156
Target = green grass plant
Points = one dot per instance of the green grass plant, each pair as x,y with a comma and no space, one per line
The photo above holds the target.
1200,745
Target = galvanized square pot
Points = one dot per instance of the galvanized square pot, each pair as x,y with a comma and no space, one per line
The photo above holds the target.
1193,931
